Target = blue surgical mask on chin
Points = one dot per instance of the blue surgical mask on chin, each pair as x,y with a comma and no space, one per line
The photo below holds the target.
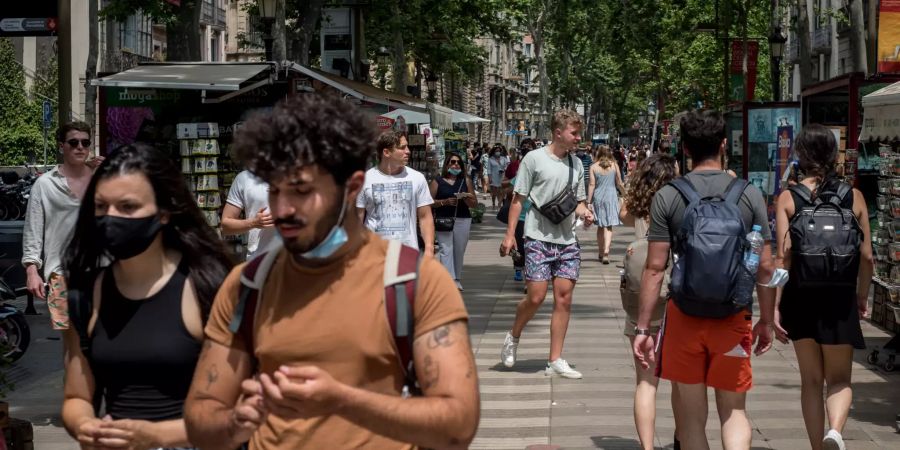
336,238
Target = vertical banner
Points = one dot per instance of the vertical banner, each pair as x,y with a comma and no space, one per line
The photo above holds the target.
739,85
889,36
783,157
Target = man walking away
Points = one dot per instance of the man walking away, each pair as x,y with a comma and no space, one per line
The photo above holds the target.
396,196
551,249
306,355
707,333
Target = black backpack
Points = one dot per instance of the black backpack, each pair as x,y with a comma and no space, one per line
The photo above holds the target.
709,252
825,239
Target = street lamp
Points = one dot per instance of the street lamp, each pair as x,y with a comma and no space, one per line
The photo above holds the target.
267,15
383,56
776,46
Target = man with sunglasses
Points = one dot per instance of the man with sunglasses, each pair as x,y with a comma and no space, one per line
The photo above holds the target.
53,209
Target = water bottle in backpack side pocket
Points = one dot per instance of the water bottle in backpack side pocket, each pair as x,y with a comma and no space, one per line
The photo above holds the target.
747,281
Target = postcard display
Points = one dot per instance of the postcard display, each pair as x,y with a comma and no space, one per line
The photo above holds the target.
207,172
420,157
886,240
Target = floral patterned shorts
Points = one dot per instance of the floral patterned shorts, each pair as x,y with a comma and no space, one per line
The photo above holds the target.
546,260
58,302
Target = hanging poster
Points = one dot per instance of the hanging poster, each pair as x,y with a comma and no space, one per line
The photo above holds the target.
783,156
889,36
787,117
761,180
759,124
737,142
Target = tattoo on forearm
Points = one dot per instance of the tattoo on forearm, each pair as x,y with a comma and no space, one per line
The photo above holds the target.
432,373
440,337
212,374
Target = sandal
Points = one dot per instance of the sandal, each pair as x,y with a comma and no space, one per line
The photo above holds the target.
605,259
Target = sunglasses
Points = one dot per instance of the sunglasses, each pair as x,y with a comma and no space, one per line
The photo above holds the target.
86,143
455,162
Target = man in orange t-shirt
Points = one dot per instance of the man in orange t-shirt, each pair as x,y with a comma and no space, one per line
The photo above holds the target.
328,374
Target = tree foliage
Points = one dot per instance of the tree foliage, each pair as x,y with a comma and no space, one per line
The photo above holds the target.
437,35
21,136
615,56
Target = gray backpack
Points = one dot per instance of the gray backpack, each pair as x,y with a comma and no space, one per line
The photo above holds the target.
709,251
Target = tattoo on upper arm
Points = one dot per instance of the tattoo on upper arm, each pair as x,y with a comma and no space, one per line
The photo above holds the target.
432,372
212,374
440,337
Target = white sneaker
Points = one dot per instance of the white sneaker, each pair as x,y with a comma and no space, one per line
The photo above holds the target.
562,368
833,441
508,354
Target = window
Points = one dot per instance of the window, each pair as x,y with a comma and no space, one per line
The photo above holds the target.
528,50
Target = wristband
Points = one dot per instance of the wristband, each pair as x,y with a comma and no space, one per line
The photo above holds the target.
642,332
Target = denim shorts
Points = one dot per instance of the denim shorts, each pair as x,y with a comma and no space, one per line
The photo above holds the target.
546,260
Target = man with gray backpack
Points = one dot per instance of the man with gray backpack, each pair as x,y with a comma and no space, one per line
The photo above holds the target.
717,229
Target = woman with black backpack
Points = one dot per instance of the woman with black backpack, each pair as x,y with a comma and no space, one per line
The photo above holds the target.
823,238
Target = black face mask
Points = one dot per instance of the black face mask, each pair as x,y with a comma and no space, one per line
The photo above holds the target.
126,238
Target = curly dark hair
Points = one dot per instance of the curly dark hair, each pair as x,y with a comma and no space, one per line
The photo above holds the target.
649,177
303,130
187,230
702,132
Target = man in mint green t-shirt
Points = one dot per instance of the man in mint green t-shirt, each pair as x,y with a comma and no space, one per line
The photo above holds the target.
551,250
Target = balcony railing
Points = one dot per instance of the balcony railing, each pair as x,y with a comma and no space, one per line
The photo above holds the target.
125,60
792,55
212,15
822,39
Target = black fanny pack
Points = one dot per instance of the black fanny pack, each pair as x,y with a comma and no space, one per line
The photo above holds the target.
563,204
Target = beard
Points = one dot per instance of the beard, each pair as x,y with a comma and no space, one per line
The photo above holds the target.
298,245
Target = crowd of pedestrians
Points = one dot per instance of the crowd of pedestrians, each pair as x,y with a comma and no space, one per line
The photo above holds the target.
170,345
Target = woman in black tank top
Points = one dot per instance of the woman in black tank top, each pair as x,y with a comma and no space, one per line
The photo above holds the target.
137,322
822,321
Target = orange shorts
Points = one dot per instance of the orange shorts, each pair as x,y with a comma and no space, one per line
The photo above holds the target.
715,352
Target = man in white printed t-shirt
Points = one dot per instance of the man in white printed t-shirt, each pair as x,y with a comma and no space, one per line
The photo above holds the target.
250,195
394,196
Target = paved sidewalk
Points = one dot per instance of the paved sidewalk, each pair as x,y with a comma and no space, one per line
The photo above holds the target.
521,407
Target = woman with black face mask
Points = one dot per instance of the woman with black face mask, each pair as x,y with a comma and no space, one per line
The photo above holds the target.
143,268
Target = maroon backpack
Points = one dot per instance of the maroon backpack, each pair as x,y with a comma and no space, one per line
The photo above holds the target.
401,271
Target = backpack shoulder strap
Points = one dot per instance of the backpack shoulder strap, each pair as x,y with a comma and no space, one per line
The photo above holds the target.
803,193
253,278
843,190
735,190
686,188
401,272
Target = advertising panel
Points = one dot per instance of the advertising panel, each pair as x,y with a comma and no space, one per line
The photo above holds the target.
889,36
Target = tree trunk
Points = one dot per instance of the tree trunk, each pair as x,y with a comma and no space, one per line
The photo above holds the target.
308,18
90,92
858,37
806,77
872,38
183,34
398,82
279,45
